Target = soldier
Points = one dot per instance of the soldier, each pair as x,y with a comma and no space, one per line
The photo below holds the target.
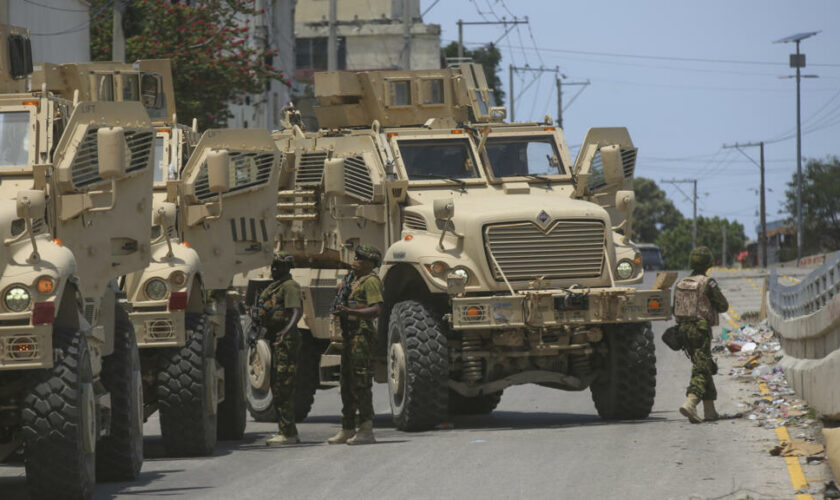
697,303
364,303
280,310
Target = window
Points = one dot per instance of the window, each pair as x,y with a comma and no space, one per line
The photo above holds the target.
311,53
104,87
431,91
131,88
151,95
14,138
438,159
521,156
399,93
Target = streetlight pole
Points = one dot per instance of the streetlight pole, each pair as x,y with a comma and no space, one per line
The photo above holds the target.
798,61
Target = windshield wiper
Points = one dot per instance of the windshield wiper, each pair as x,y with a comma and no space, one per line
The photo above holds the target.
461,184
539,178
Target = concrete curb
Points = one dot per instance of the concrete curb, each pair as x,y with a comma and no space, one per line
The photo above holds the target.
815,381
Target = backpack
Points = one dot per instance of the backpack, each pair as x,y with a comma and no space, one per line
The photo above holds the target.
691,302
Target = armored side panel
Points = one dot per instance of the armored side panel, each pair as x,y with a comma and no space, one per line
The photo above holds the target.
106,224
233,232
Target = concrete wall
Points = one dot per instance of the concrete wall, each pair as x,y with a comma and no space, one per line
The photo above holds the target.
810,340
59,29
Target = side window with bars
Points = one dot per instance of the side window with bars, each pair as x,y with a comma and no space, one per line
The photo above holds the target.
357,182
247,169
596,171
85,167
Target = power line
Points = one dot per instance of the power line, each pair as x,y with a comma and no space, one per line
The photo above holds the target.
50,7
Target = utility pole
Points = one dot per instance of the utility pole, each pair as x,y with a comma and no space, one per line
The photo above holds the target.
762,238
332,41
117,35
560,98
723,246
798,61
461,24
512,69
406,53
675,182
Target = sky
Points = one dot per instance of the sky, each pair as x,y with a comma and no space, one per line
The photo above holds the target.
684,77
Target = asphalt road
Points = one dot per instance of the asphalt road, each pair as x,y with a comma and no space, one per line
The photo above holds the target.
539,443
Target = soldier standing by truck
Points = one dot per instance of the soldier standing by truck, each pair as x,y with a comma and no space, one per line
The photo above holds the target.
697,303
363,305
280,310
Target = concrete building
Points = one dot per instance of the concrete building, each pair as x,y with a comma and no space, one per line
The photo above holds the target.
59,29
274,29
371,35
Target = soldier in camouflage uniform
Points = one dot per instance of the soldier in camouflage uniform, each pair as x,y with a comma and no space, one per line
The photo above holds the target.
280,310
697,303
359,314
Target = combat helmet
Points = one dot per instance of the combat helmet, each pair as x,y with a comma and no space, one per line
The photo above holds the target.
281,262
700,259
369,253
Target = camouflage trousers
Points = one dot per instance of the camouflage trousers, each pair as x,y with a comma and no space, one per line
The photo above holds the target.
698,347
284,359
356,378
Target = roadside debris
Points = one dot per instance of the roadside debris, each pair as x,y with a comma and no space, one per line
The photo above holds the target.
797,448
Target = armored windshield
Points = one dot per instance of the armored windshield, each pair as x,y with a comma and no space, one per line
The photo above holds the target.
438,159
14,138
524,156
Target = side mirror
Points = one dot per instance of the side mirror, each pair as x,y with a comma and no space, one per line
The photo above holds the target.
164,214
334,177
218,171
625,201
31,204
498,113
613,166
444,208
112,152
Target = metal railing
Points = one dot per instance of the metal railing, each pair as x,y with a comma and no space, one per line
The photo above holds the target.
809,295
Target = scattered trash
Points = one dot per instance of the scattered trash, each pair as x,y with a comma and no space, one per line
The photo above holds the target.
831,490
797,448
749,347
762,370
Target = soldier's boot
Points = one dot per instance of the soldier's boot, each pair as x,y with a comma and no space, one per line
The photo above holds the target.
281,439
710,414
689,408
364,435
342,436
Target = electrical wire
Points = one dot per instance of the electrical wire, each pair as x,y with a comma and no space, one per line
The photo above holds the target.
50,7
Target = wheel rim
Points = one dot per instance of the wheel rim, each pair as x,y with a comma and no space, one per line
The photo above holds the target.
88,420
396,372
260,359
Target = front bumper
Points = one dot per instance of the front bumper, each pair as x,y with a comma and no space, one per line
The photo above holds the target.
557,308
156,328
26,347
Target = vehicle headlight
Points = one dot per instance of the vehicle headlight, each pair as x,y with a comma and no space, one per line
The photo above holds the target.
178,278
155,289
462,273
17,298
624,269
438,269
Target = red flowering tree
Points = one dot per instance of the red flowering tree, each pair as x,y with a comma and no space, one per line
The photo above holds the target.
213,64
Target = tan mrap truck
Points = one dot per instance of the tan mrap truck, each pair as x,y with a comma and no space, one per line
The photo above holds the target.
191,343
494,274
75,198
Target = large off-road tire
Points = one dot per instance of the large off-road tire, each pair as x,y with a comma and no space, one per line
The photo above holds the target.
627,386
187,423
59,423
232,356
475,405
307,377
120,455
418,367
306,383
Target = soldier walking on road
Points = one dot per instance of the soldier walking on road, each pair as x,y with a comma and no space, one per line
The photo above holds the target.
358,316
280,310
697,303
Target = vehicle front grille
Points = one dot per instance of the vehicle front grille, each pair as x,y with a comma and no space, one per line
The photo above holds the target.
85,166
564,250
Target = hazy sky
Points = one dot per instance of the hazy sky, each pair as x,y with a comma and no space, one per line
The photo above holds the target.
683,77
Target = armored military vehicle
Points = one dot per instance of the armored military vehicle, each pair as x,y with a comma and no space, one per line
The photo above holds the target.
192,348
75,203
505,262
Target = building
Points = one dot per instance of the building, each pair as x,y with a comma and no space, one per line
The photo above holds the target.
273,29
59,29
371,34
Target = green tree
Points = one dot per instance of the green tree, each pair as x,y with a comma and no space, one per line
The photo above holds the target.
207,41
820,204
489,57
653,212
676,241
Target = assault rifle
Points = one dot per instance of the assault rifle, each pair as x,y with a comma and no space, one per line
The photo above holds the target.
341,298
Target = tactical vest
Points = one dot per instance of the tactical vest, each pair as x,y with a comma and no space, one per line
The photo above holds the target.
691,302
